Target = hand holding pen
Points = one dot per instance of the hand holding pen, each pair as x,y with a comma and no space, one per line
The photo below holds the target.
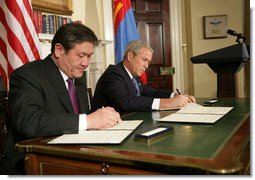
191,99
178,91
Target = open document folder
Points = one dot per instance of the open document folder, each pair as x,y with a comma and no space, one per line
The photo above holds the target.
114,135
196,113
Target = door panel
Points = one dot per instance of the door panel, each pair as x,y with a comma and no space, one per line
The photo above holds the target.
152,18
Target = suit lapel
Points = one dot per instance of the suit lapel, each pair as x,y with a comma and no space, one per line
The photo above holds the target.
130,84
57,82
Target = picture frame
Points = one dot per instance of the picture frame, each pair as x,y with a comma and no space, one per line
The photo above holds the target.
62,7
215,26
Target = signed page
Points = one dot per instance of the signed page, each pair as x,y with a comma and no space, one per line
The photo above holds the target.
195,113
192,118
193,108
113,135
126,125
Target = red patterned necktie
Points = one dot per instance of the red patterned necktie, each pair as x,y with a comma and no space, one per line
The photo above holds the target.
73,96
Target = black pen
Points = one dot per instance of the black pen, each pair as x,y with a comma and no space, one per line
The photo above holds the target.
178,91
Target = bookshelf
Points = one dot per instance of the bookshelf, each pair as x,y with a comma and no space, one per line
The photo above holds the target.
47,24
49,15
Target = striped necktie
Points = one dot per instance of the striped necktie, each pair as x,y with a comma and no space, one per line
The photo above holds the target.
136,86
73,96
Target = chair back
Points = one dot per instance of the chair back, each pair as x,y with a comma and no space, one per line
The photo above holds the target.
5,120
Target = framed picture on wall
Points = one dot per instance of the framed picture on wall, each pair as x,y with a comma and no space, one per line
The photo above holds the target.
215,26
63,7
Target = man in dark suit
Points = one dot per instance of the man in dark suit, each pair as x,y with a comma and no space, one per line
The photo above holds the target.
120,87
39,95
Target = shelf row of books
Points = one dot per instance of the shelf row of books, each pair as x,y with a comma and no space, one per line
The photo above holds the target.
49,23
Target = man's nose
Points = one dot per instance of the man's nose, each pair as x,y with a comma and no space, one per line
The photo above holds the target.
85,61
146,65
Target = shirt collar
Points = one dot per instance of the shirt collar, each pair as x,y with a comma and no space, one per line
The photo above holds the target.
65,77
130,75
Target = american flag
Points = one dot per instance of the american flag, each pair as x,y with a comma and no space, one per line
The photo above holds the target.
19,42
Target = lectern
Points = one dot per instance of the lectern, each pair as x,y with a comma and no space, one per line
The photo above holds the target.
226,62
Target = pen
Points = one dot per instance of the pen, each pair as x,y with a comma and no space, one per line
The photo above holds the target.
178,91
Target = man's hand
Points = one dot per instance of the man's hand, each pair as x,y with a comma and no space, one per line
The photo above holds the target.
177,101
103,118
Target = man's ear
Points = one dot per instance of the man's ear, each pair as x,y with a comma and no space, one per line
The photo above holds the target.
130,55
59,49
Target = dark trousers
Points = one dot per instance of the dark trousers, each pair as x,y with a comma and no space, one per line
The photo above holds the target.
12,166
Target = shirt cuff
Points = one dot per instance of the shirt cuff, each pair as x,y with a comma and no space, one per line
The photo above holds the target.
173,94
155,104
82,122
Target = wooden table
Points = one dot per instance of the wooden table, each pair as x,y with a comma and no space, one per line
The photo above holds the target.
220,148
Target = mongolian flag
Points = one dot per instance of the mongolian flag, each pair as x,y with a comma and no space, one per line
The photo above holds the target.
125,29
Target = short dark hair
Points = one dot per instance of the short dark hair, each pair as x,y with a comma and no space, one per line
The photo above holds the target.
71,34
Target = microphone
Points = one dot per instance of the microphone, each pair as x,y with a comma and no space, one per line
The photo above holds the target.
233,33
238,35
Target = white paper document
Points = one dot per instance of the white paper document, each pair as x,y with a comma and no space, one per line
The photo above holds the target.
113,135
92,137
126,125
193,108
196,113
194,118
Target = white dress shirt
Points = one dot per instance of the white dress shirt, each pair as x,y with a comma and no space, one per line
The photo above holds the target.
82,117
156,101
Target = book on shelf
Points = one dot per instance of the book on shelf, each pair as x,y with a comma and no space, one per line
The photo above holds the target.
49,23
35,14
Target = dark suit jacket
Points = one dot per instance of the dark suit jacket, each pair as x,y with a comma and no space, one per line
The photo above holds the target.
40,104
115,88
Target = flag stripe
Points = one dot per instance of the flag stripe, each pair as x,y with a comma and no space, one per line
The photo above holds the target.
124,27
31,32
122,33
120,10
12,39
116,11
3,56
19,42
3,67
23,20
8,51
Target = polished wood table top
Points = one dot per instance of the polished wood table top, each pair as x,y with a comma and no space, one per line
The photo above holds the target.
192,148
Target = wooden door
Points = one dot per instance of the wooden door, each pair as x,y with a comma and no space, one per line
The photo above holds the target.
152,18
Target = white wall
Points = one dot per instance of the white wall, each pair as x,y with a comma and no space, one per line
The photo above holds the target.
79,11
97,16
205,82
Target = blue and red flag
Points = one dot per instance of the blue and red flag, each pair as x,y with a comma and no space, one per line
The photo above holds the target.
125,29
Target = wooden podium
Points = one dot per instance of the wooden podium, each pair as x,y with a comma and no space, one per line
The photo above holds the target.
226,62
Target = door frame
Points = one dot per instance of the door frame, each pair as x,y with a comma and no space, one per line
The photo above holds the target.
176,44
